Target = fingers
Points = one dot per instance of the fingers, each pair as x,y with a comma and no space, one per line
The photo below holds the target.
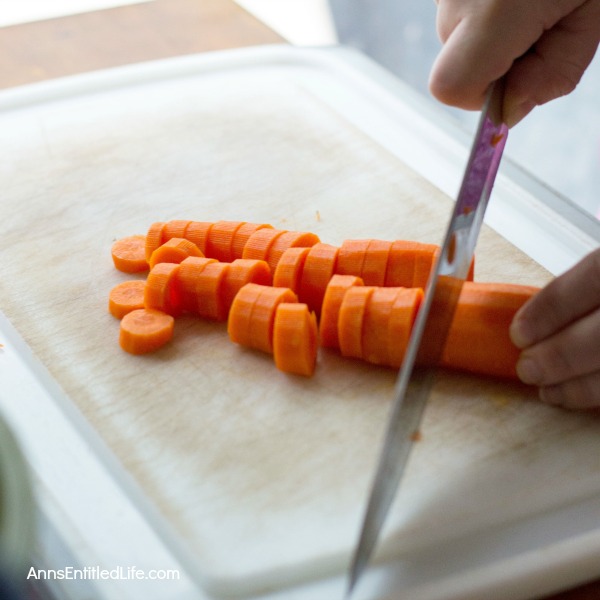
582,393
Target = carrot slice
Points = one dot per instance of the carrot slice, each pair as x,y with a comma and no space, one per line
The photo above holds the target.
351,319
319,267
174,229
129,254
402,258
290,239
160,291
288,272
154,238
187,280
145,330
219,242
334,295
174,251
258,244
242,235
125,297
404,311
376,325
425,258
209,291
241,272
352,257
198,232
375,262
295,339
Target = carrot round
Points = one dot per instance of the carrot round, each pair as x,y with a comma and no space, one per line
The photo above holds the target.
258,244
242,235
295,339
351,319
174,229
334,295
187,281
198,232
174,251
125,297
288,272
219,242
351,257
209,291
375,262
290,239
425,257
145,330
319,267
129,254
241,272
375,327
160,291
240,314
401,320
154,238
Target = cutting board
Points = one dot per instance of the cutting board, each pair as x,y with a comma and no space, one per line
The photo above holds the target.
262,475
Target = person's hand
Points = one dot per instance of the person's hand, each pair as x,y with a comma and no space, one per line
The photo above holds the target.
543,47
559,331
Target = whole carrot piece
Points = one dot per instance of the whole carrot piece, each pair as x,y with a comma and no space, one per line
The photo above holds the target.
129,254
145,330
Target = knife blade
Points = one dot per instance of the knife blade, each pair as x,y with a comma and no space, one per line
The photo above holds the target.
417,374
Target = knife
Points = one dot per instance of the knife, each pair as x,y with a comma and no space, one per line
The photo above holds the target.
417,374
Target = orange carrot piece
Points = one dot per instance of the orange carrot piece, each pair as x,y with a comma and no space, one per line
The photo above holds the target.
258,244
154,238
242,235
351,319
209,291
334,295
319,267
198,232
187,280
145,330
240,314
404,311
295,339
376,324
160,291
425,258
219,243
288,272
375,262
290,239
174,251
125,297
129,254
174,229
478,339
241,272
402,258
352,257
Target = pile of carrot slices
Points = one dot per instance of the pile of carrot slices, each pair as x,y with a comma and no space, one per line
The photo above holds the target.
286,293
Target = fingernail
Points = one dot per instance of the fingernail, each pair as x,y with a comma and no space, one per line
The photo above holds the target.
519,332
529,370
513,113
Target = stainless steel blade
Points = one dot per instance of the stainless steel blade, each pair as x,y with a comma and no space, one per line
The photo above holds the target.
428,337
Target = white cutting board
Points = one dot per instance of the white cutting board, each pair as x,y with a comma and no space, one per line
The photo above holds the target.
263,475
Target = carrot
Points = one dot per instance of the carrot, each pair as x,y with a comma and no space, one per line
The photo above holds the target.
187,281
288,272
241,272
290,239
174,229
401,320
351,257
334,295
174,251
145,330
210,293
424,258
242,235
258,244
219,242
160,291
125,297
295,339
375,325
351,318
402,262
319,266
129,254
198,232
154,238
252,315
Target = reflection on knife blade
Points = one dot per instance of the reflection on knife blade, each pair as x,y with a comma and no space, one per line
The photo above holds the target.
428,337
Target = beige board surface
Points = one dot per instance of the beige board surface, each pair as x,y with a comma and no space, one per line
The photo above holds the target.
264,475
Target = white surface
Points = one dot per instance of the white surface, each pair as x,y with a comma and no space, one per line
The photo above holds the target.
464,568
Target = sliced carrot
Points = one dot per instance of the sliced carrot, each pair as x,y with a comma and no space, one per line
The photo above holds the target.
241,272
145,330
295,339
290,239
219,243
209,291
319,267
375,262
402,258
240,314
334,295
288,272
351,319
401,320
160,291
259,243
129,254
154,238
425,258
174,251
174,229
376,322
351,257
187,280
125,297
198,232
242,235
